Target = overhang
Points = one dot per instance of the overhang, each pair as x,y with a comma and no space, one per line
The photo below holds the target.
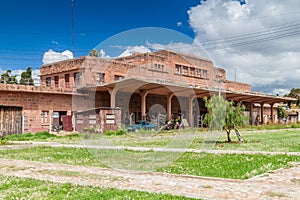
162,87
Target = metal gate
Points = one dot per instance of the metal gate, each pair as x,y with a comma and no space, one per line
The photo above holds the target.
10,120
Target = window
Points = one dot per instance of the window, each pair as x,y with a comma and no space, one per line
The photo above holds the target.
178,69
92,119
79,119
198,72
67,80
100,78
204,73
158,67
110,119
118,77
185,70
48,81
218,77
76,79
56,81
192,71
45,117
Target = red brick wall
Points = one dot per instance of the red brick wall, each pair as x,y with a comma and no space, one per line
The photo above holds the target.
33,104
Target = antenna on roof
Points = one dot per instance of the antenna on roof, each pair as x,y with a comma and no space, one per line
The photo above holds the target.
235,74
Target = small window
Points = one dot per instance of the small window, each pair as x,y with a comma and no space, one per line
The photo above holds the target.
79,119
118,77
92,119
48,81
67,80
185,70
45,117
76,79
100,77
178,69
218,77
56,81
192,71
110,119
198,72
204,73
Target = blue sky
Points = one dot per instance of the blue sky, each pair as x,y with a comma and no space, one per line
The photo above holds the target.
30,28
256,42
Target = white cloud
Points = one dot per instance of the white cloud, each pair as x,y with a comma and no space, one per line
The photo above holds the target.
52,56
179,24
103,54
135,49
260,39
54,42
280,91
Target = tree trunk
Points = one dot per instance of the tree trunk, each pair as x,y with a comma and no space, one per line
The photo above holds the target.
228,136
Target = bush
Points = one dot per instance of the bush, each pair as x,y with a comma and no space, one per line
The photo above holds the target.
3,141
117,132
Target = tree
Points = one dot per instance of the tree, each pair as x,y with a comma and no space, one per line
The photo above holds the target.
26,77
295,93
282,114
8,78
223,115
94,53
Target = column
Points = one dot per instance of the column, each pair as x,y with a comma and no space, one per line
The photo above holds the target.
50,120
143,103
191,119
169,106
251,113
272,117
262,113
113,93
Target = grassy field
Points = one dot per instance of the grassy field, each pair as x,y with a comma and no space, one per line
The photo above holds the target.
277,141
268,140
21,188
222,166
43,136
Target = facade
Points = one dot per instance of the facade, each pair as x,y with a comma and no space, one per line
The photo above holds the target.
142,86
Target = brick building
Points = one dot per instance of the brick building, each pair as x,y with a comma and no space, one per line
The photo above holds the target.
142,84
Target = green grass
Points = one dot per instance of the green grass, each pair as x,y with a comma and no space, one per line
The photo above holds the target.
223,166
277,141
228,166
26,188
42,136
272,127
71,156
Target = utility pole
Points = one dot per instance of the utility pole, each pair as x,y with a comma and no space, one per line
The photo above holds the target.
73,26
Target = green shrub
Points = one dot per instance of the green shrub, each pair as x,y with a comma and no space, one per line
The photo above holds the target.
117,132
3,141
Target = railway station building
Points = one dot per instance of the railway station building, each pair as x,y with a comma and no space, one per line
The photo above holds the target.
92,91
